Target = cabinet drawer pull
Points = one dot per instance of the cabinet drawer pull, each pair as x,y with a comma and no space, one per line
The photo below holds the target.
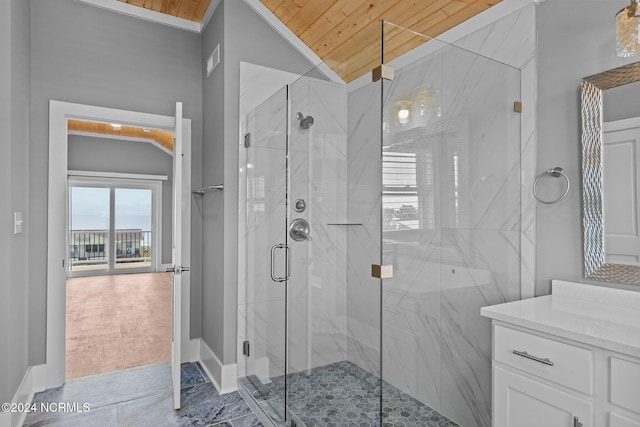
537,359
576,422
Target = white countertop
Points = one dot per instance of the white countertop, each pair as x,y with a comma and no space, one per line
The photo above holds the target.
601,317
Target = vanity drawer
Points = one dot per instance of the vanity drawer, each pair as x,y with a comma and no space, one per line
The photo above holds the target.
624,383
616,420
552,360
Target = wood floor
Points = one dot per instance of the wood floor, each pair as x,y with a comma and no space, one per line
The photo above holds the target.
117,322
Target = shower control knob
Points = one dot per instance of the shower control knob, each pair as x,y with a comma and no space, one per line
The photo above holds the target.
299,205
299,230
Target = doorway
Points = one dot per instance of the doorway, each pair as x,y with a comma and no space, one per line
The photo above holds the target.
61,114
114,319
118,315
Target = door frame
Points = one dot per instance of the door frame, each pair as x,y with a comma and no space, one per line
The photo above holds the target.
57,245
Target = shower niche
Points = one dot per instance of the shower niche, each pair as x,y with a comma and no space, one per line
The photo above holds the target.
421,173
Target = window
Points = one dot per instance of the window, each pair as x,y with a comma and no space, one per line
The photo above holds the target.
114,224
407,199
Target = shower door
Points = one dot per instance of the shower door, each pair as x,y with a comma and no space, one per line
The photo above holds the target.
267,255
307,355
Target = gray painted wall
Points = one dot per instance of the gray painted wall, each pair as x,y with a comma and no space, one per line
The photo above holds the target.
20,134
576,38
88,153
88,55
5,194
245,37
622,102
14,173
211,205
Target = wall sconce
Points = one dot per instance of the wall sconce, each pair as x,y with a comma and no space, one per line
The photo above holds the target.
627,29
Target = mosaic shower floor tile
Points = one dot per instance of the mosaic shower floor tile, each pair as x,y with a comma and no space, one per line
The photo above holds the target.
341,394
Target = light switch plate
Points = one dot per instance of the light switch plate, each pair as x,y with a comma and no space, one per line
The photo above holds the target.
17,222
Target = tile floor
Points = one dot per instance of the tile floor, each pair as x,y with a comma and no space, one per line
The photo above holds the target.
341,394
117,322
141,396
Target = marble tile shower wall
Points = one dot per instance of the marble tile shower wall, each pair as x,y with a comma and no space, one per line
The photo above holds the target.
473,247
317,289
512,40
364,175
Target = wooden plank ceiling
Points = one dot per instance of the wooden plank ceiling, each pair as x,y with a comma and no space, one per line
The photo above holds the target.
346,34
162,137
193,10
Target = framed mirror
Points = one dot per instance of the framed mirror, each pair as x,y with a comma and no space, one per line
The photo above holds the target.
610,180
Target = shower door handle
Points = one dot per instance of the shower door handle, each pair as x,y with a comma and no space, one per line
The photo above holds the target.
287,268
273,261
287,272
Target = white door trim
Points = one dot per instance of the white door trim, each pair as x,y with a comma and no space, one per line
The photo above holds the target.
615,125
59,113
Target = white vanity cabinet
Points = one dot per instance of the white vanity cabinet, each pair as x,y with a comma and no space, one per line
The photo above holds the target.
623,409
539,381
524,402
565,361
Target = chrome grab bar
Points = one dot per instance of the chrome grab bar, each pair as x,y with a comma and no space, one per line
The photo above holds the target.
287,268
534,358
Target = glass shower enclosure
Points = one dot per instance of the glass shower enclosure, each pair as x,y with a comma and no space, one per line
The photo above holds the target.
379,215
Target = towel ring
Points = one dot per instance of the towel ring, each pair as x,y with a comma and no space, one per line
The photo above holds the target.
556,173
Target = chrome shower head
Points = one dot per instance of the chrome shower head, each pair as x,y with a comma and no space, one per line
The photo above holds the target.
305,121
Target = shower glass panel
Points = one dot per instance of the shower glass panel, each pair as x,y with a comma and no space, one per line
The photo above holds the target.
333,370
265,309
451,230
420,172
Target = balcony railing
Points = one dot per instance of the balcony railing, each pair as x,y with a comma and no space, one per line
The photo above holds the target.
90,249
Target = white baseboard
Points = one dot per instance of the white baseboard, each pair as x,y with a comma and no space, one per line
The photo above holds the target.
191,352
32,382
223,377
39,373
